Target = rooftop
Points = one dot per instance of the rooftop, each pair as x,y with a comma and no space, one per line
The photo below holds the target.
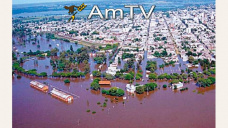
105,82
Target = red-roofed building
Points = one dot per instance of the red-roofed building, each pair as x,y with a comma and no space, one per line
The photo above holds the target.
104,82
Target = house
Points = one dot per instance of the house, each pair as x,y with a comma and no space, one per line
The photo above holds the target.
130,88
179,85
112,70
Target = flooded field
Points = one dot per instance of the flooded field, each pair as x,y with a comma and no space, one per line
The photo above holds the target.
193,108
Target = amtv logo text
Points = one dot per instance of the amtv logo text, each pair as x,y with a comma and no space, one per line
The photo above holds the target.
96,12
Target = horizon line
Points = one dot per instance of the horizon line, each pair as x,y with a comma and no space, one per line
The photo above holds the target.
51,2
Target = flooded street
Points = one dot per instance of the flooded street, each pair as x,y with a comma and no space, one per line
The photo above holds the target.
192,108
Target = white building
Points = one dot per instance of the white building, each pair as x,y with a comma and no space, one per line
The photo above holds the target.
130,88
179,85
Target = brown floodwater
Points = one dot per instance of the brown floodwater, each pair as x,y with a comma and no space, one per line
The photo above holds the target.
193,108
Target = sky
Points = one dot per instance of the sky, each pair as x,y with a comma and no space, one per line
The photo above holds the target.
37,1
44,1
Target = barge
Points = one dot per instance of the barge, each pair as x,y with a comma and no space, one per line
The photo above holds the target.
61,95
39,86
